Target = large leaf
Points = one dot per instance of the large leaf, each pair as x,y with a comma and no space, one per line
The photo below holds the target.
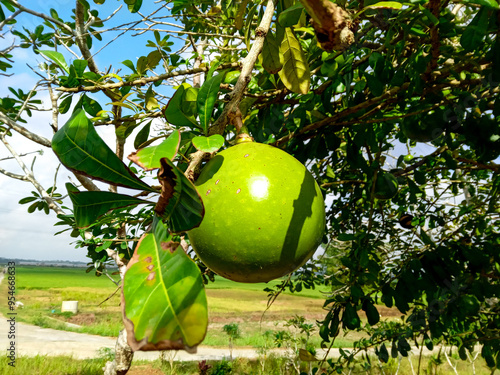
206,99
270,54
90,205
163,299
290,16
295,73
179,204
173,111
79,148
149,157
56,57
475,32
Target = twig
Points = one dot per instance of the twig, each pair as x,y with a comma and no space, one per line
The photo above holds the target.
23,131
449,362
145,80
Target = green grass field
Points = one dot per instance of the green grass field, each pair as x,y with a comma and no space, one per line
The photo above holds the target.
42,290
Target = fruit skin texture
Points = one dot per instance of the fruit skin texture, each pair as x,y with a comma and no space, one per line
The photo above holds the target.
264,214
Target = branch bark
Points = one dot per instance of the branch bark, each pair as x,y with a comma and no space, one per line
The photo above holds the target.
25,132
145,80
232,107
81,36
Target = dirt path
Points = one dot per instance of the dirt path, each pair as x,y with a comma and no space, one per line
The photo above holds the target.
31,340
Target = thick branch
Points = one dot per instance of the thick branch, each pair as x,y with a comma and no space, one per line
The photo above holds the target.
332,24
246,71
23,131
81,36
333,119
86,182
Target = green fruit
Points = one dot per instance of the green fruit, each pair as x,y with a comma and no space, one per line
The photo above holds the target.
386,186
424,128
264,213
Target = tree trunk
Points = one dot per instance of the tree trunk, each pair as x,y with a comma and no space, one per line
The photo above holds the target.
123,357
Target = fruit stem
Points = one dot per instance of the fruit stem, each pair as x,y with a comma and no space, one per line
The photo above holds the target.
241,130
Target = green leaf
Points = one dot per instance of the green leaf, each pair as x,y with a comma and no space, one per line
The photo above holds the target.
207,96
91,106
79,148
371,312
134,5
270,54
475,32
80,66
142,136
350,317
208,144
129,64
291,16
386,5
179,204
295,73
150,100
238,23
383,354
173,110
27,200
65,104
56,57
125,129
164,301
425,238
88,206
149,158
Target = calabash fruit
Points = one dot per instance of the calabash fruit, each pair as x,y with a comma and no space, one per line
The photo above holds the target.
264,213
386,186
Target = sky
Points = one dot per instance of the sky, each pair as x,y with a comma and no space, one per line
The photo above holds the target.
31,236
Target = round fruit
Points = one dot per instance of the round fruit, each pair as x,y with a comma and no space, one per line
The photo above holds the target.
424,128
386,186
264,213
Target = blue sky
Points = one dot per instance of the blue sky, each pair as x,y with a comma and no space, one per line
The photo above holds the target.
30,236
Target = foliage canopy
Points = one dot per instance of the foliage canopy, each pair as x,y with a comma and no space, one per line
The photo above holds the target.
362,92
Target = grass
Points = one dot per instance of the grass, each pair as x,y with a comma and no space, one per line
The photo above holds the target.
42,290
45,365
269,365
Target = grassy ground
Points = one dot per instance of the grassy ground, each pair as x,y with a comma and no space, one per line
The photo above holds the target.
42,290
44,365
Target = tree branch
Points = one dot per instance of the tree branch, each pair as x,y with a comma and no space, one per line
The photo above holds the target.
31,178
246,71
81,36
13,175
237,94
145,80
25,132
43,16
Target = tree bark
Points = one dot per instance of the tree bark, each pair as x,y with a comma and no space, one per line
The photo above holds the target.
123,357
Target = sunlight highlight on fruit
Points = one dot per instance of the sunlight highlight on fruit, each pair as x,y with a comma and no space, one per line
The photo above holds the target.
264,213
